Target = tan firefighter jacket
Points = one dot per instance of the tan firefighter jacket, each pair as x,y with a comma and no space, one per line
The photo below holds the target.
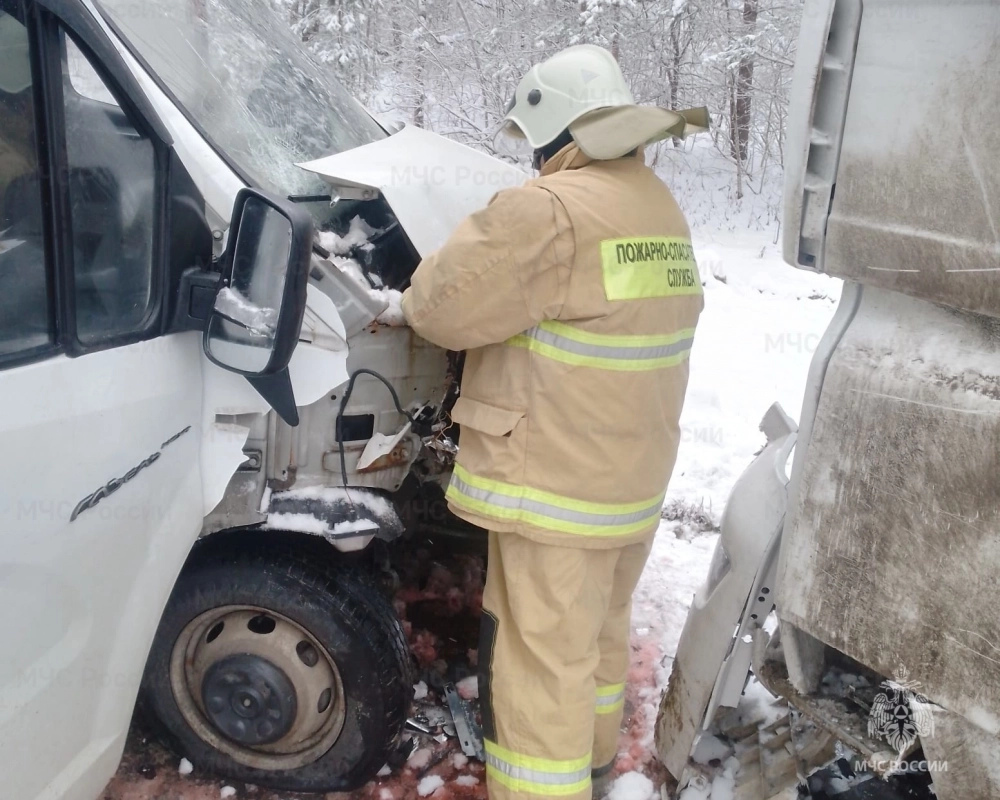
576,297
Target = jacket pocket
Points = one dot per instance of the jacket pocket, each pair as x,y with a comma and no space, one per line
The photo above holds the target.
482,417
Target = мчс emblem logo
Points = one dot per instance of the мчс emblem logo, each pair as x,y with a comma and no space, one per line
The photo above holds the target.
900,714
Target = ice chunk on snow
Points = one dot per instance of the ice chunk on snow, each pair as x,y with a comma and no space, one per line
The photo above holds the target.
227,791
420,691
419,758
385,793
467,780
459,761
697,789
721,787
632,786
185,767
724,785
709,749
468,688
385,772
259,321
429,784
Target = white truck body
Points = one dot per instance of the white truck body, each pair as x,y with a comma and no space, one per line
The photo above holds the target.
888,549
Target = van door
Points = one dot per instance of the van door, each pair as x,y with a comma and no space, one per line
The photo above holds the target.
100,489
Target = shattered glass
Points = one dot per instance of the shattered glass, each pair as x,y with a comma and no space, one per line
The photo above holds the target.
240,74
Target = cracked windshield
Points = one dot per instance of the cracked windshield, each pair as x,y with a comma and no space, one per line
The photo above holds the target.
248,84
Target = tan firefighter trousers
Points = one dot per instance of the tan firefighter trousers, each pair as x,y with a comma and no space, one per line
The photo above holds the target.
553,657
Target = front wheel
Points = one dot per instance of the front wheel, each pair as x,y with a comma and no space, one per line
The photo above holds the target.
269,669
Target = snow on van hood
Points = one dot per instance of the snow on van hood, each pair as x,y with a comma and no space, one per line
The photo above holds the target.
431,183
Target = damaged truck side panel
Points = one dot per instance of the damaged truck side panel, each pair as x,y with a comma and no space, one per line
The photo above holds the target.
890,553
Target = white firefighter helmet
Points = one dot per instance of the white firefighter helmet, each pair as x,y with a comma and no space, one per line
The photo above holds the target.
582,88
15,65
562,89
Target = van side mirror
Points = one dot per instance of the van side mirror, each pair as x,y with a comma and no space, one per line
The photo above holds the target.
257,314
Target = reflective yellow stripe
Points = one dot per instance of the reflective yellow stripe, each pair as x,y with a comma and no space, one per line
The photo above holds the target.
553,512
615,340
542,776
649,266
570,345
610,698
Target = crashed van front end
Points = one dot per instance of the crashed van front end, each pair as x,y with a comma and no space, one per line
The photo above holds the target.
371,456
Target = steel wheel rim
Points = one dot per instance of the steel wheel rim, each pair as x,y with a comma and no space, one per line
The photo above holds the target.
262,644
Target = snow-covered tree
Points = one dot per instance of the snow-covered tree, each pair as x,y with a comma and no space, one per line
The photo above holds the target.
452,65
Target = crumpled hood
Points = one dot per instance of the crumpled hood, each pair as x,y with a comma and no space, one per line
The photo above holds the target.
431,183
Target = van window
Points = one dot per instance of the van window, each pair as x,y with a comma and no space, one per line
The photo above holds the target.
25,318
111,183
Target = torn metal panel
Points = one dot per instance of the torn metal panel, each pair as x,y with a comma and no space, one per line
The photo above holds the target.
322,324
356,307
384,451
431,182
470,737
891,553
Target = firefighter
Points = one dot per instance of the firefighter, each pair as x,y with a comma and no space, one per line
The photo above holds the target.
576,298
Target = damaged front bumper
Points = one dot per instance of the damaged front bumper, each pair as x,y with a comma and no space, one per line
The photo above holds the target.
714,654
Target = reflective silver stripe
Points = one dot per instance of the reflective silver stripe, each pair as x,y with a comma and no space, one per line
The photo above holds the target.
537,776
554,512
539,334
611,699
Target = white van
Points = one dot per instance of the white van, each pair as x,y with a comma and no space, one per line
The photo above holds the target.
206,425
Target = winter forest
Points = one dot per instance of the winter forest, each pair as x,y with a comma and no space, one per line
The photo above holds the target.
451,66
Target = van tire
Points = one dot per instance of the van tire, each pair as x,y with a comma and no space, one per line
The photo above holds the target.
342,610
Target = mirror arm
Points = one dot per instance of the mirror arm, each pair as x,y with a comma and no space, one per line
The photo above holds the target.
195,299
277,390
